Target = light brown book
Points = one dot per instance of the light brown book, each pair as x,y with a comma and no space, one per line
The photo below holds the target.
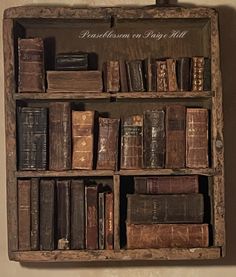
172,77
112,76
198,73
162,76
109,221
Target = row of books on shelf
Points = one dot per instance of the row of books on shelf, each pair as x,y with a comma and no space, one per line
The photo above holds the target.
174,137
72,73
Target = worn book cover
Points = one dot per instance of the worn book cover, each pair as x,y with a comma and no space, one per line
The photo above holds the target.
184,75
111,74
198,73
71,61
172,76
109,221
135,75
162,76
34,214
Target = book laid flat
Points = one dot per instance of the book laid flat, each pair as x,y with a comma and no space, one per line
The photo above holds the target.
109,221
123,76
32,138
101,220
31,76
34,213
198,73
166,184
172,77
154,139
207,74
71,61
167,236
162,76
111,76
179,208
108,143
60,136
132,142
184,74
135,75
175,136
74,81
47,214
83,139
197,138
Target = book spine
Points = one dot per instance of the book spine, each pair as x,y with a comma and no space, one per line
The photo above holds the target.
207,74
60,136
83,139
154,139
108,143
135,76
197,73
101,220
34,214
162,76
172,77
77,215
23,188
112,76
197,138
167,236
148,74
72,61
175,136
109,221
184,74
123,76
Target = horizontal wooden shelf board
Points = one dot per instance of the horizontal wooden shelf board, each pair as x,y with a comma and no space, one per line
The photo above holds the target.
157,95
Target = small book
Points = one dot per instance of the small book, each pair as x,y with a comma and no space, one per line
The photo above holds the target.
109,221
34,214
72,61
123,76
135,76
101,220
198,73
184,74
172,77
111,76
162,76
207,74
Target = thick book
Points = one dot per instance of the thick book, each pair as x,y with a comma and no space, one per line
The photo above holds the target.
175,208
166,184
198,73
74,81
77,219
162,76
47,215
108,143
183,68
154,139
101,220
31,76
32,138
111,72
123,76
71,61
135,75
197,138
132,142
167,236
82,139
63,214
172,76
175,136
24,226
34,214
109,221
207,75
59,136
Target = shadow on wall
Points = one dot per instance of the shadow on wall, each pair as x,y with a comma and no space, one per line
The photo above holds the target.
228,62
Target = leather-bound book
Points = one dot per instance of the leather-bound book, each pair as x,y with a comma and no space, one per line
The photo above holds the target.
148,74
162,76
34,213
154,139
132,142
59,136
31,77
172,76
167,236
83,139
63,214
23,187
175,136
111,76
197,138
135,76
198,73
109,221
172,208
166,185
77,215
71,61
184,74
207,74
47,214
123,76
101,220
108,143
32,138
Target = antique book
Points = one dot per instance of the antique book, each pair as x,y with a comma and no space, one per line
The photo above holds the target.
60,136
109,221
123,76
91,216
24,226
197,138
108,143
111,72
71,61
34,214
184,74
101,220
172,76
32,138
175,136
74,81
198,73
172,208
77,214
132,142
207,75
166,184
47,214
154,139
162,76
31,76
63,214
135,75
82,139
148,74
167,236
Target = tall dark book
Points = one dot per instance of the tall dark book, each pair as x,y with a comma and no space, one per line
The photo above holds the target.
47,214
34,213
123,76
132,142
149,74
23,187
135,75
63,214
77,215
59,136
175,136
172,76
109,221
108,143
207,74
101,220
32,138
184,74
111,72
71,61
162,76
31,77
154,139
198,73
197,138
179,208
